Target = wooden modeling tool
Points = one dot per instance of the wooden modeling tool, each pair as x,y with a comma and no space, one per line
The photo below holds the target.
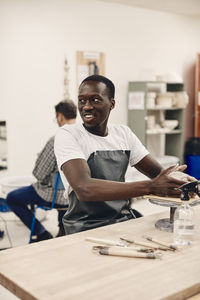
125,252
119,244
144,244
105,242
170,246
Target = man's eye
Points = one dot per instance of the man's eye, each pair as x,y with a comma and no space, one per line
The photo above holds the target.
82,101
95,100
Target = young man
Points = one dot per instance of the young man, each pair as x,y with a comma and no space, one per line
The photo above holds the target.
41,192
94,156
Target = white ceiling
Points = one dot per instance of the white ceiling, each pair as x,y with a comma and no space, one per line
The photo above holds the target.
189,8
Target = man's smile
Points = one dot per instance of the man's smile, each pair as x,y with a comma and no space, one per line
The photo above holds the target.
88,116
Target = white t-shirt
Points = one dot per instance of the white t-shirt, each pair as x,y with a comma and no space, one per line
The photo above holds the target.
74,141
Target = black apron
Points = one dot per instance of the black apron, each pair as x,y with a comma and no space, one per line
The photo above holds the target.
84,215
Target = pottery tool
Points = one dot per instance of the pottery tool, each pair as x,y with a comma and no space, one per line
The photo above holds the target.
125,252
119,244
170,246
105,242
144,244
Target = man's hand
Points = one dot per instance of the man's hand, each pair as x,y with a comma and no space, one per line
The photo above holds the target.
166,185
177,172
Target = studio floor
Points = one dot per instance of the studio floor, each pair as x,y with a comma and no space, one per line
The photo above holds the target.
16,234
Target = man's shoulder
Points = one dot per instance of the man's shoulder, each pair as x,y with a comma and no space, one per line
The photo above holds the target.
69,130
119,128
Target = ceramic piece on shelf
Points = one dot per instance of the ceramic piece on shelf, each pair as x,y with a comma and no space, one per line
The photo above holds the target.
165,100
150,100
173,77
170,124
181,99
151,122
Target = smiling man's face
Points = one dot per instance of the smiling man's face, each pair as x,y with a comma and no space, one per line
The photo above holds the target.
94,106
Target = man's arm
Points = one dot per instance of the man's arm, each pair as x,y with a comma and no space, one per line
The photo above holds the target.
149,166
86,188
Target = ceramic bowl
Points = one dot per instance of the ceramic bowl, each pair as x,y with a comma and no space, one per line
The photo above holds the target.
170,124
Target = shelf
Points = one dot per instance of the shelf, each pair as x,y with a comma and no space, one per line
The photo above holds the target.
164,108
159,141
175,131
153,132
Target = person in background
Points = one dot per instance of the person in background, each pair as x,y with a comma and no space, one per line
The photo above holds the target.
93,158
41,192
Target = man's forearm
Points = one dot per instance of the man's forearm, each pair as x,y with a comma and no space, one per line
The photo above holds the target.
105,190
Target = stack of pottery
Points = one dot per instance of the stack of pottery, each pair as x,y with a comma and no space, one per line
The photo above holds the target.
165,100
150,100
181,99
176,99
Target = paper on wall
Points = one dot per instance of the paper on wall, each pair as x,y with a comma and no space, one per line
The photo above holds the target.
136,100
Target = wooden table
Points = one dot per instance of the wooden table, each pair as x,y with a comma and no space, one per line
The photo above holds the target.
65,268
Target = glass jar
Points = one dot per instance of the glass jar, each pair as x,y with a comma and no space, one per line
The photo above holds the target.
184,225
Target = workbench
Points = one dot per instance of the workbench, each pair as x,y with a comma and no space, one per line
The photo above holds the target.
66,268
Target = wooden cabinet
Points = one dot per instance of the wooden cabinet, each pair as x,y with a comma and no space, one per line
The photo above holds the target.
197,99
158,139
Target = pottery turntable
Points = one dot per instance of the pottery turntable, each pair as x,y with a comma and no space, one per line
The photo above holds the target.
167,224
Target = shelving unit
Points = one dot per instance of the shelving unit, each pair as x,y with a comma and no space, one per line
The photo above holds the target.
159,141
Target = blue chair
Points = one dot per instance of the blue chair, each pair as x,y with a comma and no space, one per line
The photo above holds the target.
193,165
58,185
3,205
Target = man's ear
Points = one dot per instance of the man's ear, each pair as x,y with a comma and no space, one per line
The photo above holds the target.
112,104
61,117
58,116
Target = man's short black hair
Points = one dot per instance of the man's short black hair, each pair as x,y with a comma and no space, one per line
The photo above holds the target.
67,108
99,78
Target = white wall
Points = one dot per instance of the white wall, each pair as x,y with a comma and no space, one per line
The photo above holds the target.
35,35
